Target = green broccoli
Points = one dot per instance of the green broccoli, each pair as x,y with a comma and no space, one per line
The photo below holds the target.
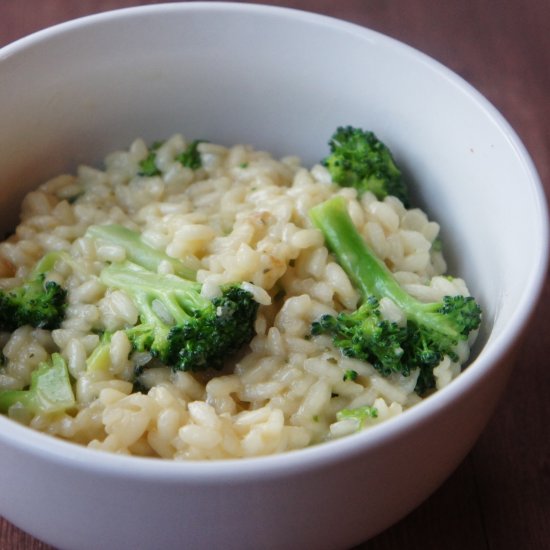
350,374
432,330
100,359
148,166
363,334
177,324
50,390
36,302
359,159
360,414
136,250
190,157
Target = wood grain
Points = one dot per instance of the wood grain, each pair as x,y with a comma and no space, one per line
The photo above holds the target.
499,498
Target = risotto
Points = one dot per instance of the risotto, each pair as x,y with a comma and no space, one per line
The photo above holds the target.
240,216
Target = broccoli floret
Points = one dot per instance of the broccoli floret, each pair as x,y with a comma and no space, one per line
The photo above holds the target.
177,324
190,157
36,302
363,334
432,330
359,159
350,374
148,166
50,390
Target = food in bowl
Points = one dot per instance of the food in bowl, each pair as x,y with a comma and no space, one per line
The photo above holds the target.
198,301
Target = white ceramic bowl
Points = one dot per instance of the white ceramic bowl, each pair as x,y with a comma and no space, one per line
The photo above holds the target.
282,80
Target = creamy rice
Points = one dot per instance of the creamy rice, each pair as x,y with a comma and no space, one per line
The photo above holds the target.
241,217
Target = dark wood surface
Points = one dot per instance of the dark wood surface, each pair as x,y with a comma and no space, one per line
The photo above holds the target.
499,498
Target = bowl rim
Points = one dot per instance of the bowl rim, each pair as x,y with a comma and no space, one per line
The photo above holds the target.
71,455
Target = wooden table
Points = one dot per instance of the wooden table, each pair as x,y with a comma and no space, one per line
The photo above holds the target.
499,497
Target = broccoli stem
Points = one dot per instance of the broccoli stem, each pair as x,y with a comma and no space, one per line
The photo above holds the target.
177,324
100,358
431,331
366,271
137,251
178,295
50,390
45,264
